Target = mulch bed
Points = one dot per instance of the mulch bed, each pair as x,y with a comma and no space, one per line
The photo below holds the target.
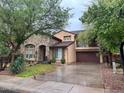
112,81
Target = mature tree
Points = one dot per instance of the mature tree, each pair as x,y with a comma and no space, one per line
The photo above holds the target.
107,19
87,37
20,19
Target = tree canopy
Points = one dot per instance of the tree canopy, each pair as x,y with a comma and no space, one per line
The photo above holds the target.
20,19
86,37
107,20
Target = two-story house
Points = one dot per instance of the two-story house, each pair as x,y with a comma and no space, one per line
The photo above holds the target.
62,45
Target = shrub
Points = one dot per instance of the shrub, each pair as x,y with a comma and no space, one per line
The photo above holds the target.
53,60
18,65
49,62
63,61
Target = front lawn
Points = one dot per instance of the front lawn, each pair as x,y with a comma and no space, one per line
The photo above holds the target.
36,69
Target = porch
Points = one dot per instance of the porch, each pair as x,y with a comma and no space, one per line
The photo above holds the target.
63,51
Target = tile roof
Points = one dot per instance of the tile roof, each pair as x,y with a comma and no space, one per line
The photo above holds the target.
65,31
77,32
56,38
63,44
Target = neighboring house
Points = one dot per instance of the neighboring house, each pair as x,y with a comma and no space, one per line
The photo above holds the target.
63,45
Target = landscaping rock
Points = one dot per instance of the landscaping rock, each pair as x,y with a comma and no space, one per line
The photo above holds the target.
112,82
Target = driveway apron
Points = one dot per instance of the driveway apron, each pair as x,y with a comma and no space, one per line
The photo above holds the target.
84,74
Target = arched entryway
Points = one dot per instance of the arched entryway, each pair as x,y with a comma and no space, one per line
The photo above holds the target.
42,53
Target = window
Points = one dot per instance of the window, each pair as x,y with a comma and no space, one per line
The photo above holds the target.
67,38
30,51
58,53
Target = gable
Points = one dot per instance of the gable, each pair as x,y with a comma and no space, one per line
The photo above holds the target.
41,40
63,34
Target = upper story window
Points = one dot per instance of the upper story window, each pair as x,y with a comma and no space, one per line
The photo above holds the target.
67,38
29,51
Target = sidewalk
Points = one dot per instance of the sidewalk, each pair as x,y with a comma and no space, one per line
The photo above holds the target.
33,86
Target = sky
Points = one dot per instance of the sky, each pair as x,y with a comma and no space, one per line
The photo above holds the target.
78,8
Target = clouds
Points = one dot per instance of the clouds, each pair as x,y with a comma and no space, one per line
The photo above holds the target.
69,3
78,7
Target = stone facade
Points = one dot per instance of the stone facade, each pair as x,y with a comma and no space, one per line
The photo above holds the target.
39,41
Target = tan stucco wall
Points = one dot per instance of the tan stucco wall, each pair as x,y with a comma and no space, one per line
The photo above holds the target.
70,54
61,35
66,55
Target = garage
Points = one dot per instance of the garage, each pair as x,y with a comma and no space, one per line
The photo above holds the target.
87,55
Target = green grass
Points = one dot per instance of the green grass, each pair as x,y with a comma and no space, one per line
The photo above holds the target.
36,69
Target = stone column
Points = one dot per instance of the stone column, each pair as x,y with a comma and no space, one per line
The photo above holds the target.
47,52
37,53
101,58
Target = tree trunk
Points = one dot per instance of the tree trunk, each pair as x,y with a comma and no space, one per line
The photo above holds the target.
12,55
107,59
122,55
110,58
10,60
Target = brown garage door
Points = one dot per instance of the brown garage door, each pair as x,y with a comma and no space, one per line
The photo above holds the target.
87,57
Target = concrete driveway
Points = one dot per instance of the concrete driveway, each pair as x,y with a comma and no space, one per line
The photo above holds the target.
85,74
77,78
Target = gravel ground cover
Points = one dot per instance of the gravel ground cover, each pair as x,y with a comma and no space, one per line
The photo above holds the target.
113,82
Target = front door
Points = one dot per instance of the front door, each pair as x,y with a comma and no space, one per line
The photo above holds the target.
58,53
42,53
